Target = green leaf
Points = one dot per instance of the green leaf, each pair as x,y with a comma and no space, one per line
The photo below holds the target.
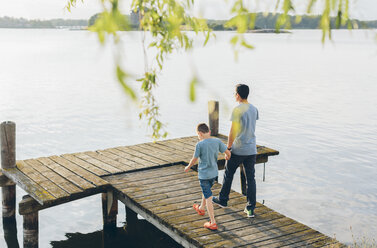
193,84
207,38
234,40
246,45
121,75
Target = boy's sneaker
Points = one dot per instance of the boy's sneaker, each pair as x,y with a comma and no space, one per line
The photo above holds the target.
249,213
211,226
218,202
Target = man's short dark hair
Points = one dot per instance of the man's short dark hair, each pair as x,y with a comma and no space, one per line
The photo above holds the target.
242,90
203,128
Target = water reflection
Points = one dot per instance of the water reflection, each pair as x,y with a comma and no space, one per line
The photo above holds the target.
139,234
10,232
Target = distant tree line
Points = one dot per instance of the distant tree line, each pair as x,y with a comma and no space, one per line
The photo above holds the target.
10,22
268,21
261,22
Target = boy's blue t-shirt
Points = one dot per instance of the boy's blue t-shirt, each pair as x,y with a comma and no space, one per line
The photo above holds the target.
244,117
207,151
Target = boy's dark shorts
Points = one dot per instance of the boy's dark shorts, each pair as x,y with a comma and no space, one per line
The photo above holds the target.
206,185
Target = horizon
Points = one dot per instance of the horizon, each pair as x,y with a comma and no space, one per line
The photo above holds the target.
80,19
363,10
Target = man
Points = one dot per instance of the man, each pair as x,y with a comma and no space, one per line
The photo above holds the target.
242,143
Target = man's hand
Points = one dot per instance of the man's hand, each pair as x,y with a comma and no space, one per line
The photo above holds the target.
187,168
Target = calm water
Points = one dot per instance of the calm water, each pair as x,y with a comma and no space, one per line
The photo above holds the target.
317,107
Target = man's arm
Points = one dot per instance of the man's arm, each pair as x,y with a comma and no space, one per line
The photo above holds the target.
231,135
192,162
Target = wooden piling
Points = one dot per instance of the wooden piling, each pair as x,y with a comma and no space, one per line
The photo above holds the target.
8,160
213,114
109,210
31,232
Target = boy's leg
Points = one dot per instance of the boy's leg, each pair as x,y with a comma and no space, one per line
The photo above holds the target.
249,164
210,210
230,169
203,203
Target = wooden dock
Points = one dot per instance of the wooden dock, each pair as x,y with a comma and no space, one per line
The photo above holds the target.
149,179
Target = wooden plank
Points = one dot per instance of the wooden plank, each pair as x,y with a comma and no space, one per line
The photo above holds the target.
80,163
30,205
143,163
64,172
178,206
290,241
238,202
36,191
54,177
150,173
157,182
154,191
270,232
105,166
178,146
155,152
115,157
243,237
106,160
171,194
257,230
230,221
158,150
41,180
282,240
133,151
181,155
99,182
121,179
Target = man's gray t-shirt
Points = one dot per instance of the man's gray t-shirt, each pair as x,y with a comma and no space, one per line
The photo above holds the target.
244,118
207,151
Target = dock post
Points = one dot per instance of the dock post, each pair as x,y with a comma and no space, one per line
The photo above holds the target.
30,225
8,160
213,114
31,230
109,210
243,180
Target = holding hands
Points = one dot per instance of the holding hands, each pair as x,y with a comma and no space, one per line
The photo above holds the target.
227,157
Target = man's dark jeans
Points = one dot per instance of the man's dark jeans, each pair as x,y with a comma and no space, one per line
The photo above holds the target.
231,167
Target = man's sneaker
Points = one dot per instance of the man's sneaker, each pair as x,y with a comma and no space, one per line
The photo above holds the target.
218,202
249,213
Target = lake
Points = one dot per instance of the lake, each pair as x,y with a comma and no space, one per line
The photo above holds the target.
316,102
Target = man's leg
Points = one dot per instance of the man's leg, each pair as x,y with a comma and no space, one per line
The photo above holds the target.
230,169
249,165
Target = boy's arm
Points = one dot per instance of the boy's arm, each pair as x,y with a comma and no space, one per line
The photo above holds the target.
192,162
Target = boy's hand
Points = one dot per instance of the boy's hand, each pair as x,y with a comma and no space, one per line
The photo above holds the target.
227,157
187,168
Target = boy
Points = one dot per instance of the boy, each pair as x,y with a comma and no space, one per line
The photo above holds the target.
207,150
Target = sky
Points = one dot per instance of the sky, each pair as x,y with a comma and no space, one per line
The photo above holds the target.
211,9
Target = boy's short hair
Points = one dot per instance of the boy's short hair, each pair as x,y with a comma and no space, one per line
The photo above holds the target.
242,90
202,127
